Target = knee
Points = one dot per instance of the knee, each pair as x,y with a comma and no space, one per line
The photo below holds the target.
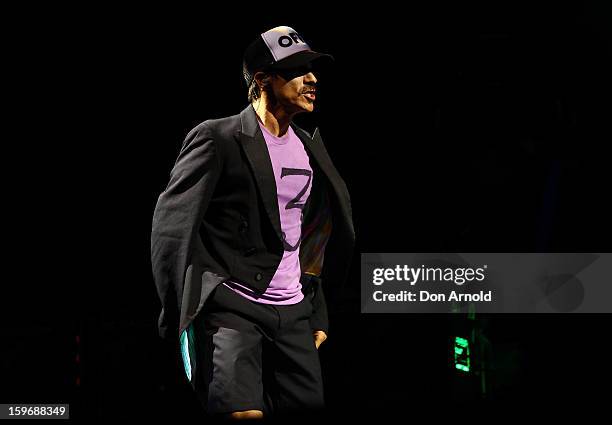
246,414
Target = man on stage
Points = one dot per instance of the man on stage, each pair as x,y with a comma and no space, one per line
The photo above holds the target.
254,222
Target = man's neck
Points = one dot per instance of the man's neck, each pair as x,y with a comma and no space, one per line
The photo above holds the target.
276,120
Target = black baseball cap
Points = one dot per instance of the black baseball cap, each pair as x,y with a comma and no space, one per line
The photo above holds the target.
280,48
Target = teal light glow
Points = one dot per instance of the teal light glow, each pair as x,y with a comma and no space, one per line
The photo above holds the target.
188,350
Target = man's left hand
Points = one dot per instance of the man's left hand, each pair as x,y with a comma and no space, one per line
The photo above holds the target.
319,337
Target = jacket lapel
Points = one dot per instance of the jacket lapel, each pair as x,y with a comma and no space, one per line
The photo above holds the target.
316,148
256,151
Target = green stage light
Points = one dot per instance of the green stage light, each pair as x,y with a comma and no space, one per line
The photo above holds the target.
462,354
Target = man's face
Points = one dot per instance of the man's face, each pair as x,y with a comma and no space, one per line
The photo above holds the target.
295,90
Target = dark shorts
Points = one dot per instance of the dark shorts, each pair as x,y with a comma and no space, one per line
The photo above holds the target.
254,356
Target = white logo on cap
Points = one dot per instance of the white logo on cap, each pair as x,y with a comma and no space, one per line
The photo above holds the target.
284,42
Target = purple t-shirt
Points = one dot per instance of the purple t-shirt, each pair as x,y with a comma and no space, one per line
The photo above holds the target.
293,177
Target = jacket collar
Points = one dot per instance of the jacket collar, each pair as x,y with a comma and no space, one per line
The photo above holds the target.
248,122
249,126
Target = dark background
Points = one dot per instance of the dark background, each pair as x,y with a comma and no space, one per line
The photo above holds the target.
456,128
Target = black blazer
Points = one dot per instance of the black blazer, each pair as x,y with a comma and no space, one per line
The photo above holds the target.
218,218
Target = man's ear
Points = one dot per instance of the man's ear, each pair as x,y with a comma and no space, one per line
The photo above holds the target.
262,79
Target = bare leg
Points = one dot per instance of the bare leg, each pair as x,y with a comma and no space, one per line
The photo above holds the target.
247,414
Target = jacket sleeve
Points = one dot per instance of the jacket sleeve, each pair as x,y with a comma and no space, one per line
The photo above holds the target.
319,320
178,213
316,234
